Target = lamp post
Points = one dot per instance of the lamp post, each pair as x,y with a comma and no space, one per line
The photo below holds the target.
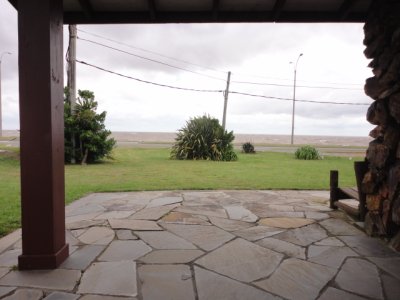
1,120
294,96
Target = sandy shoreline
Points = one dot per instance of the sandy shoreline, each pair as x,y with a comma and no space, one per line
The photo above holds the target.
270,139
260,139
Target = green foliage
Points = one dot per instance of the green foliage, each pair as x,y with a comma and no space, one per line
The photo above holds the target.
203,138
307,153
248,148
92,142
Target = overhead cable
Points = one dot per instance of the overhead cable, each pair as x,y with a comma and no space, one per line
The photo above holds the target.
298,100
149,59
299,86
148,82
215,91
150,51
202,74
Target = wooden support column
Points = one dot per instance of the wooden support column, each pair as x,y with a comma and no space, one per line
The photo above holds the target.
40,33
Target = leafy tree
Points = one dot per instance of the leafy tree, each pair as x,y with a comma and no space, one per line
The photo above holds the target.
204,138
86,126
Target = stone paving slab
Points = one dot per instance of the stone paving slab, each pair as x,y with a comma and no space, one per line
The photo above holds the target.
7,241
110,278
83,257
286,248
285,223
25,294
164,201
391,286
185,219
241,260
5,290
61,296
205,210
390,265
164,240
361,277
206,237
153,213
165,282
9,258
58,279
298,279
214,286
331,256
133,224
335,294
125,250
230,225
257,232
97,236
229,255
3,271
171,256
303,236
340,227
99,297
367,246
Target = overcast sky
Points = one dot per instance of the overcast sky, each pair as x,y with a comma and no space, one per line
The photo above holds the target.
258,53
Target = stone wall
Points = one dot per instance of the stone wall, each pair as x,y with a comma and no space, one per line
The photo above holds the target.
382,182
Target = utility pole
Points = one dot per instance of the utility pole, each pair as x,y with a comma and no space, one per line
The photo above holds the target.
226,93
71,81
294,97
1,118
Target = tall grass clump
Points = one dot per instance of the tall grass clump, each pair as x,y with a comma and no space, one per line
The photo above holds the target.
248,148
307,153
203,138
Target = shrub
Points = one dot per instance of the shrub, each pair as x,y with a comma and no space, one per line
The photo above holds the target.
307,153
248,148
92,142
204,138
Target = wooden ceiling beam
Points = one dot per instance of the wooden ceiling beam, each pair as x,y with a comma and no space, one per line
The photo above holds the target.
152,9
215,9
206,17
86,7
276,11
345,8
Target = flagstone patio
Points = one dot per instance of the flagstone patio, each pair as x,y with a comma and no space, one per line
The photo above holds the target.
208,245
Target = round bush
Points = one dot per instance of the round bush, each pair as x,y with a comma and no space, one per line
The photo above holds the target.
248,148
307,153
204,138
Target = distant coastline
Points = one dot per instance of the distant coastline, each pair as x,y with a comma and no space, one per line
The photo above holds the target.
259,139
267,139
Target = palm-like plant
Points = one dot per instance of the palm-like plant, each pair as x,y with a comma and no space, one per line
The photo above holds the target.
204,138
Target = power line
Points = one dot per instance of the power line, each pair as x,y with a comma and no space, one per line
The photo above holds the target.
291,79
148,82
291,86
208,68
150,59
150,51
215,91
297,100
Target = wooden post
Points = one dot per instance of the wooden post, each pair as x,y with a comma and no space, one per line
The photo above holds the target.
40,33
334,184
360,169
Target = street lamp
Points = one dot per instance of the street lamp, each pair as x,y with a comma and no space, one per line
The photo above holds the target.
1,121
294,96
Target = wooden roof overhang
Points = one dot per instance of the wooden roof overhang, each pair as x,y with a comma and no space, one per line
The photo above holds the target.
211,11
40,55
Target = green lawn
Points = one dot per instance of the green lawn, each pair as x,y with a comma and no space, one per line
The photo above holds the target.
137,169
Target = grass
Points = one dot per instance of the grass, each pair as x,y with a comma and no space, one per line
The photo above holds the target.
137,169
